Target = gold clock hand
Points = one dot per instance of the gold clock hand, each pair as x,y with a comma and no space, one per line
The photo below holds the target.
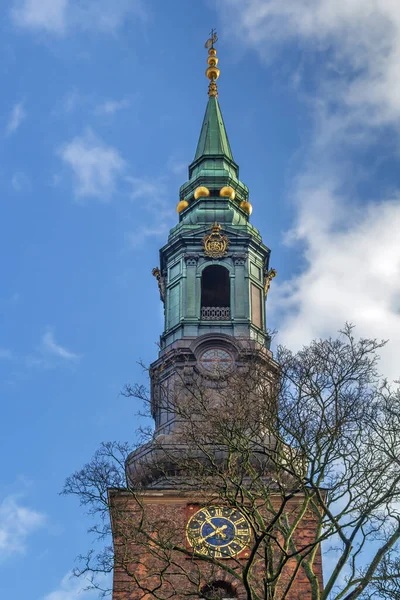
217,531
208,520
220,530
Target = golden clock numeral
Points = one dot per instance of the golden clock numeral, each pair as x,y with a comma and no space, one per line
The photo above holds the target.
241,520
218,512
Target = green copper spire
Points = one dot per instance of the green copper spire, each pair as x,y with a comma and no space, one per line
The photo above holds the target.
213,168
213,151
213,139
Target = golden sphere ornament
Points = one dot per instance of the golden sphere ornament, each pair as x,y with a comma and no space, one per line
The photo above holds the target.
213,73
182,204
227,192
246,206
212,61
201,192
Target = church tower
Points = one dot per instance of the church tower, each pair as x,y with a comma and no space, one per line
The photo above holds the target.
213,279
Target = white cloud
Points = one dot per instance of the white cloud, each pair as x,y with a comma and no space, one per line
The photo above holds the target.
143,188
18,114
50,346
20,181
47,15
73,588
17,523
61,16
177,167
110,107
352,274
153,197
137,237
95,166
351,247
72,100
362,37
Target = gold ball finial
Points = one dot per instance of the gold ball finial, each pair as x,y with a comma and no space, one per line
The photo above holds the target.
212,71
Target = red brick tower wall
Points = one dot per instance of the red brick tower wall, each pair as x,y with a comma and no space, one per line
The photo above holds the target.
138,563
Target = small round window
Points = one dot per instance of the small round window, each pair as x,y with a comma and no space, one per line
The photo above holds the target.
216,361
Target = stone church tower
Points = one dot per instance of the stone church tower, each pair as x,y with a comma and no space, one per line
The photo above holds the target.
213,279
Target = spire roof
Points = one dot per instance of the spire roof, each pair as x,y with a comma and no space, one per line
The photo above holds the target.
213,166
213,140
213,154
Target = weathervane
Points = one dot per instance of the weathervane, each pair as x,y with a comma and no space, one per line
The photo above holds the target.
212,72
212,39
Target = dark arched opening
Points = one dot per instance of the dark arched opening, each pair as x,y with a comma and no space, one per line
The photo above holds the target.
218,590
215,293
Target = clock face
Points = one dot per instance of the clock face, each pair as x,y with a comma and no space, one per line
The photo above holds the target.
218,531
216,360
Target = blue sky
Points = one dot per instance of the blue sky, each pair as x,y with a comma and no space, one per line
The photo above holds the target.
100,111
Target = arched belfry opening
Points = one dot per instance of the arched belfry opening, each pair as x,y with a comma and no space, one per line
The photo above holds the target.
218,590
215,293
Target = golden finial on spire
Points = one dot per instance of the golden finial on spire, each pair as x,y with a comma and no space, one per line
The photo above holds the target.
212,72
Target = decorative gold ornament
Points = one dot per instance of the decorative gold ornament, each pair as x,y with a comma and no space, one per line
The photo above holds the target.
201,192
215,245
227,192
268,277
212,72
212,60
161,282
182,204
212,89
246,206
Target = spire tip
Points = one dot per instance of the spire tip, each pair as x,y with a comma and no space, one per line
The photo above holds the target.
212,71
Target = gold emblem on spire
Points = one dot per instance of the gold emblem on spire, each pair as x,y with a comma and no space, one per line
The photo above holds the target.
215,244
212,72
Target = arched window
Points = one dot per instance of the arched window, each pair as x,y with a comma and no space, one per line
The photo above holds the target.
218,590
215,293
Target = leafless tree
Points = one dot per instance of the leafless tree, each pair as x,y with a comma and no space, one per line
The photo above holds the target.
306,448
